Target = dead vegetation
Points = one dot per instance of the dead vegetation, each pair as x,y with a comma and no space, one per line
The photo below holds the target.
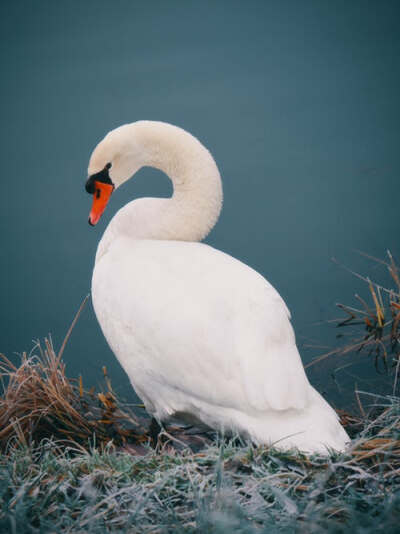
39,401
378,317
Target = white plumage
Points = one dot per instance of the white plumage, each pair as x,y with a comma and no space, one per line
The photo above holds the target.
201,335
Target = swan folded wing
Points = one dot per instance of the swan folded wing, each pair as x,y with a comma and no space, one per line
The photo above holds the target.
211,328
270,367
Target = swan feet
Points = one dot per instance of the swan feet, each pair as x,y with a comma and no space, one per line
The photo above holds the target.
154,431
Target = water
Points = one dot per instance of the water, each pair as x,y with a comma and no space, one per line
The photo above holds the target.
298,102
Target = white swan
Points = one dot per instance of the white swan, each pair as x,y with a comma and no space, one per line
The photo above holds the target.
201,335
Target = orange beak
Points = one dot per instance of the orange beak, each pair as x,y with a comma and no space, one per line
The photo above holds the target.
101,196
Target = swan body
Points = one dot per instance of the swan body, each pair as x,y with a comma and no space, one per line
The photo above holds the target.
202,336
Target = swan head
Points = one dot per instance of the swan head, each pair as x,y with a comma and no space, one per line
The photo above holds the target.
196,202
114,160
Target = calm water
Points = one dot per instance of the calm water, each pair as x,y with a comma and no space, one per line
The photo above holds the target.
298,102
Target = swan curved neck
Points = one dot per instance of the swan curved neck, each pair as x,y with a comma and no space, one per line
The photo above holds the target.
194,207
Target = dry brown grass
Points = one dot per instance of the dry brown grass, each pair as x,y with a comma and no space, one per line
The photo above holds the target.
379,318
39,401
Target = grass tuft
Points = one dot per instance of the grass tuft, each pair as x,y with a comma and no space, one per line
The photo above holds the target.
38,401
378,316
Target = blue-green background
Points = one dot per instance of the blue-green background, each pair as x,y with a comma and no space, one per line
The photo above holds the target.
297,100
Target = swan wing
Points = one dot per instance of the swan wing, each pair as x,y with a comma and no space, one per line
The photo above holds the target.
190,320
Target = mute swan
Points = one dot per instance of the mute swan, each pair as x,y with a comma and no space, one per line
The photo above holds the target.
202,336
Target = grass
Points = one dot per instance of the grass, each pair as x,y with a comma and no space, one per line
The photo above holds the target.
226,487
74,460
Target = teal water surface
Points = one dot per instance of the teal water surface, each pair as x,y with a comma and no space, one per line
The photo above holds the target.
297,101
